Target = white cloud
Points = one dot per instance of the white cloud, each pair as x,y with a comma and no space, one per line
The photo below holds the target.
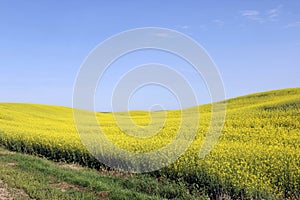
182,27
185,27
252,15
293,24
273,13
262,17
218,22
202,27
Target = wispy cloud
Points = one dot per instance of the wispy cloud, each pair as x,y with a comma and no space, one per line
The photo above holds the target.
218,22
273,13
293,24
202,27
184,27
250,13
262,17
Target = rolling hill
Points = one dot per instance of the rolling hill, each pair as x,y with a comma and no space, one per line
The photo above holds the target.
256,156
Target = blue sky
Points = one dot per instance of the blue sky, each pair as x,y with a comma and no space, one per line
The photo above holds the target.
255,45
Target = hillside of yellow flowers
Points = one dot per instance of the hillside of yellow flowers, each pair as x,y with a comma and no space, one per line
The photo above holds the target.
256,156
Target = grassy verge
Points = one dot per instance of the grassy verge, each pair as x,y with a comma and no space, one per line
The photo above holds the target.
29,177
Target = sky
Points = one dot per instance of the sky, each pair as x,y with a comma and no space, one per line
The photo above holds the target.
254,44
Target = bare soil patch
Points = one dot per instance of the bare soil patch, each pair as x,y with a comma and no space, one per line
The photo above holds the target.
7,193
116,173
7,152
104,195
11,164
70,166
63,186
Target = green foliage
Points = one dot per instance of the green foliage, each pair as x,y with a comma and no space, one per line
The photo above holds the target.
42,179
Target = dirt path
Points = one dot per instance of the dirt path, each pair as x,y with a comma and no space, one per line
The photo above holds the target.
10,194
4,193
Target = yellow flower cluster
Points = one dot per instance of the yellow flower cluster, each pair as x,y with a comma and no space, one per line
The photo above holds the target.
257,154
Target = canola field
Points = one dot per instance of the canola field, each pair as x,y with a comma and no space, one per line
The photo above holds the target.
257,155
